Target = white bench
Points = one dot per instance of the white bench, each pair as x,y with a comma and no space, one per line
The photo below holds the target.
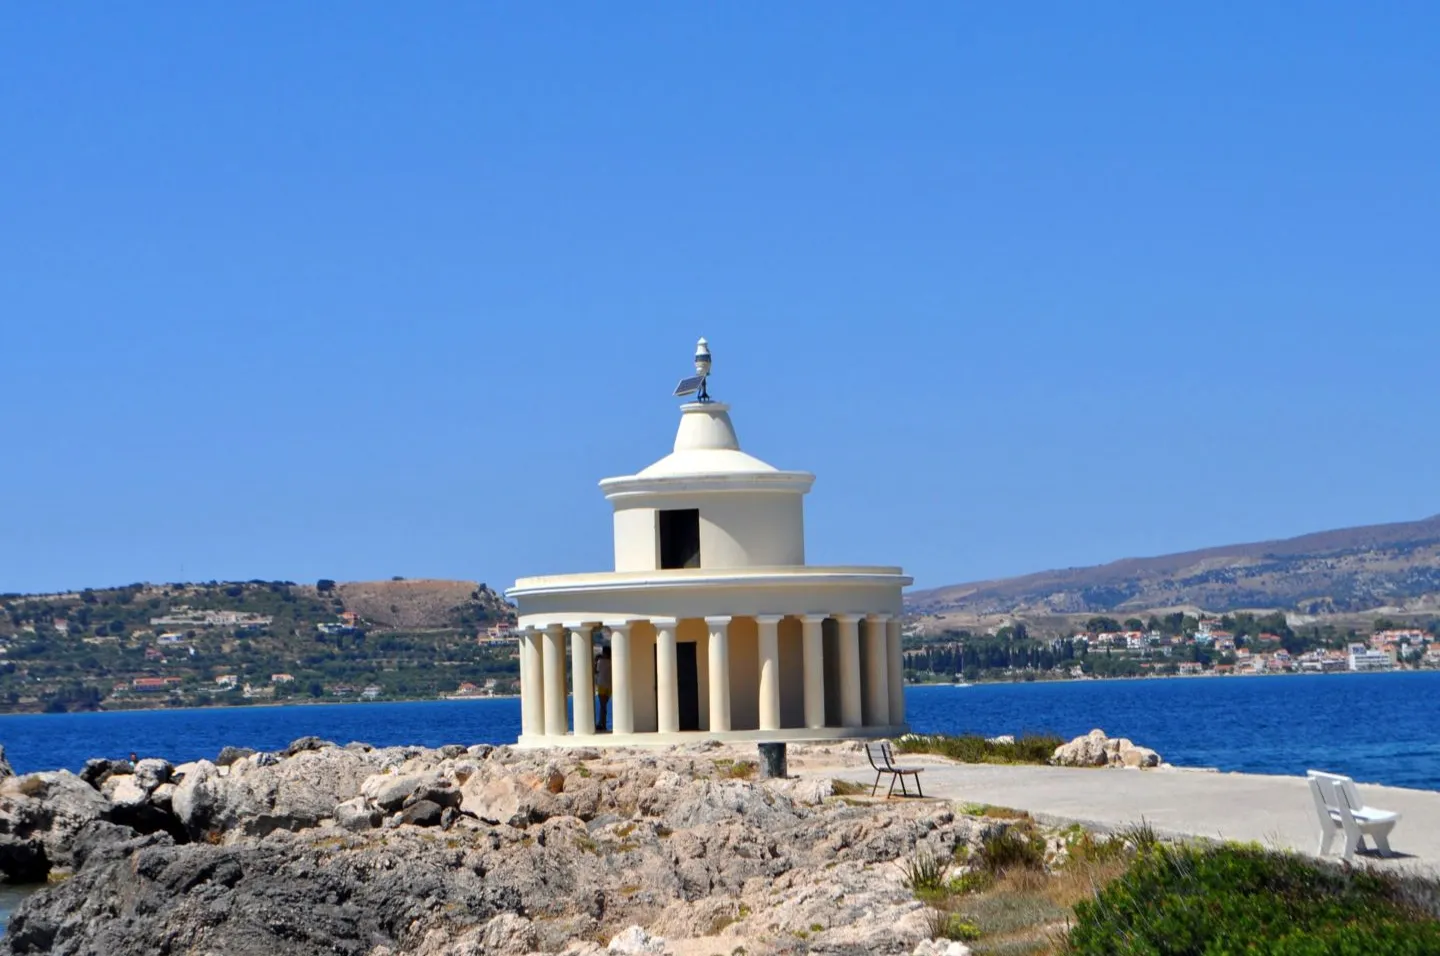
1342,811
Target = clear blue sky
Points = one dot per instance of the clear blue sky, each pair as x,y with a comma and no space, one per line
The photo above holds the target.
350,291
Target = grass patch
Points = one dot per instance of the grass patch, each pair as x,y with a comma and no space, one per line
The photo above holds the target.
1015,847
1007,913
972,748
1234,899
848,788
736,769
992,811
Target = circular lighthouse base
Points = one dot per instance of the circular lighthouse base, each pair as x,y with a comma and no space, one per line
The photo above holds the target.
681,738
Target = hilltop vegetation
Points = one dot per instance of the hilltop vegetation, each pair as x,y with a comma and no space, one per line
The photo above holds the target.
199,644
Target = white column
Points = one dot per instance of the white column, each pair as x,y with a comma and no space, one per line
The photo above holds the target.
896,673
553,665
623,700
852,712
719,673
667,677
532,685
769,625
876,679
814,650
582,678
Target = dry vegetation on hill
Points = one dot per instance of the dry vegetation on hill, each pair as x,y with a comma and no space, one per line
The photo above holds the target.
1393,568
421,603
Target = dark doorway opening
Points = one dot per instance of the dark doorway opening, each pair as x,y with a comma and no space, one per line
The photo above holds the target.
687,677
680,538
688,672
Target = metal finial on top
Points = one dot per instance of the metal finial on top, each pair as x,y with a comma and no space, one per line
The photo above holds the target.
696,383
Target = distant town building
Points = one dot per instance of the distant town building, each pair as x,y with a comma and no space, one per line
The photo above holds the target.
227,681
282,679
152,685
187,618
1363,658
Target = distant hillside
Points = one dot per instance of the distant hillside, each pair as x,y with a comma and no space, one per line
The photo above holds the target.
227,642
420,603
1389,566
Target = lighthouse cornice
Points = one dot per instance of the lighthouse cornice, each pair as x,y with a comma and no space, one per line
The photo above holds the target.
769,482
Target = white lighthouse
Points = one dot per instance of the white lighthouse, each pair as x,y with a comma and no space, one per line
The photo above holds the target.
717,627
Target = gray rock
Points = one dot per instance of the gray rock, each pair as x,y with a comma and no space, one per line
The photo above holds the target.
97,770
99,840
636,942
422,814
453,750
668,847
1095,749
23,859
509,934
940,947
261,795
5,769
281,896
507,799
357,815
229,755
162,797
198,797
151,772
49,808
307,743
390,791
441,794
124,793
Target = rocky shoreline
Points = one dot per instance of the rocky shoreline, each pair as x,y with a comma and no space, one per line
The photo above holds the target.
463,850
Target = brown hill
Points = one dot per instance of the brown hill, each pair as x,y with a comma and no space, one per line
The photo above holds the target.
1344,571
421,603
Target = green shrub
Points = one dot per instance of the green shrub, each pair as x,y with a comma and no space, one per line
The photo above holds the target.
924,871
975,881
943,924
1244,899
1013,848
972,748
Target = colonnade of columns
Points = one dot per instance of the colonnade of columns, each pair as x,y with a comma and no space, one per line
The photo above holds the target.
871,679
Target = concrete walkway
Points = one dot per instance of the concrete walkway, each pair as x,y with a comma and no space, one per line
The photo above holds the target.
1273,811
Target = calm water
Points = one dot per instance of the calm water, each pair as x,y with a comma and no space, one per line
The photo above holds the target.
1378,728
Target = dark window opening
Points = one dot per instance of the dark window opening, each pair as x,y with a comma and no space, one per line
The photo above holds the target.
680,538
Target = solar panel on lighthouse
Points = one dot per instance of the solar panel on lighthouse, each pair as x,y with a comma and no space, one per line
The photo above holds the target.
689,386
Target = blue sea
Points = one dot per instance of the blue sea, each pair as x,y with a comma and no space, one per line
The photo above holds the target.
1377,728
